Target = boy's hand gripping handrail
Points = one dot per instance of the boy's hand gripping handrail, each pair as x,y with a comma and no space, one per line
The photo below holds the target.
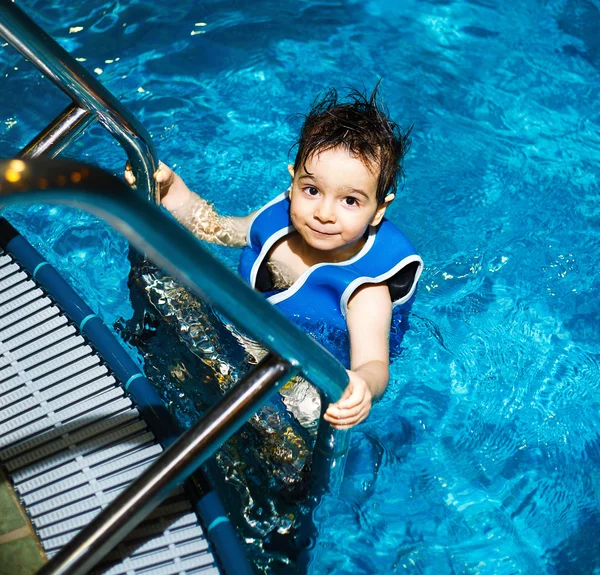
179,253
91,100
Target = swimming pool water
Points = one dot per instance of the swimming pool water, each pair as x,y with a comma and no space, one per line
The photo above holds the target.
483,456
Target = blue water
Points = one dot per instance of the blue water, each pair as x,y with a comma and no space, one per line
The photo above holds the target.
483,456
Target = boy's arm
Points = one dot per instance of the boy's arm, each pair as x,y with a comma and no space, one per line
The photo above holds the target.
368,318
195,213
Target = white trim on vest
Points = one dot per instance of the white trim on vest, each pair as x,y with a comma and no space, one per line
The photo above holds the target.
295,287
265,250
261,210
355,284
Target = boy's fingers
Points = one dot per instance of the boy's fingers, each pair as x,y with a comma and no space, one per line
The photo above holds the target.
350,402
347,423
356,398
346,405
345,395
129,177
338,413
163,175
329,418
335,422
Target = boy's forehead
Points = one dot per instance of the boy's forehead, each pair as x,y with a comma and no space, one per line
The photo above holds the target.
339,156
340,168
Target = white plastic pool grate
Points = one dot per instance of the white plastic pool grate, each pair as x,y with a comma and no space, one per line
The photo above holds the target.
71,440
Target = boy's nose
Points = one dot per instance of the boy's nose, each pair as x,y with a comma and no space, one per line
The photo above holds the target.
325,211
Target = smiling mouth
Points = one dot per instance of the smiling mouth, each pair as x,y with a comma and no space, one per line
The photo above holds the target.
320,233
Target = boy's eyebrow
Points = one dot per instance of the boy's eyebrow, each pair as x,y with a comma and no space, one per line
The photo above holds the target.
349,189
357,191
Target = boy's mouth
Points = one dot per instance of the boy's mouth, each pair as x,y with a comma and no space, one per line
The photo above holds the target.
322,233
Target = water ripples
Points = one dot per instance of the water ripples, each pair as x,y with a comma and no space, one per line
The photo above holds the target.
483,455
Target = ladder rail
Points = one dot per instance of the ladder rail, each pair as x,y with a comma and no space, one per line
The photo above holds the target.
88,95
63,130
178,252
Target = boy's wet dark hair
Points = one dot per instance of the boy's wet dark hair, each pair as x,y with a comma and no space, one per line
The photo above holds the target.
361,126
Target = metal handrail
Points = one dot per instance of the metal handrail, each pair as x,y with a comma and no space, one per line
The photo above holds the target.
63,130
181,254
91,100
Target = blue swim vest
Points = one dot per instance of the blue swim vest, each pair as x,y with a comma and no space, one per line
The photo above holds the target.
322,292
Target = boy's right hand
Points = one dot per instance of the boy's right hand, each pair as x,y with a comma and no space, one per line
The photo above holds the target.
173,191
163,176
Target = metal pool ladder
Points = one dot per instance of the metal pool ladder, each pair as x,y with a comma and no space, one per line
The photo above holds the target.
180,254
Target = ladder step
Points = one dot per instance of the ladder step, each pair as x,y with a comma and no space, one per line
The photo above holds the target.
11,280
55,537
165,561
66,446
15,293
60,348
5,260
47,388
165,537
89,409
10,305
70,484
72,441
47,413
82,462
19,353
32,327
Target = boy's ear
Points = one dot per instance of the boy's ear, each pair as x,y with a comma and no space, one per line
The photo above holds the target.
381,210
291,170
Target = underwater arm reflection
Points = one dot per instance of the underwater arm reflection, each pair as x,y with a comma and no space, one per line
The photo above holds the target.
195,213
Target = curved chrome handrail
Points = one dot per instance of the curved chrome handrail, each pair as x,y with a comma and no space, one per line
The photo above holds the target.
179,253
92,100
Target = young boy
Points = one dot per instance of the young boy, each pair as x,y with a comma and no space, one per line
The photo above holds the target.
322,250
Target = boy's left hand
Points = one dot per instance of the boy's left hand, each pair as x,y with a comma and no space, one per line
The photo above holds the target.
354,405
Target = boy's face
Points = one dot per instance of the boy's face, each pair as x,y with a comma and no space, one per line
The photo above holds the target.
334,201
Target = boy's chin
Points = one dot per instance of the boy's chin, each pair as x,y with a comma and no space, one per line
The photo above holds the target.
324,244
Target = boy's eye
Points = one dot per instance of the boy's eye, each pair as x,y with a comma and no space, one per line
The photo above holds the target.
311,191
350,201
